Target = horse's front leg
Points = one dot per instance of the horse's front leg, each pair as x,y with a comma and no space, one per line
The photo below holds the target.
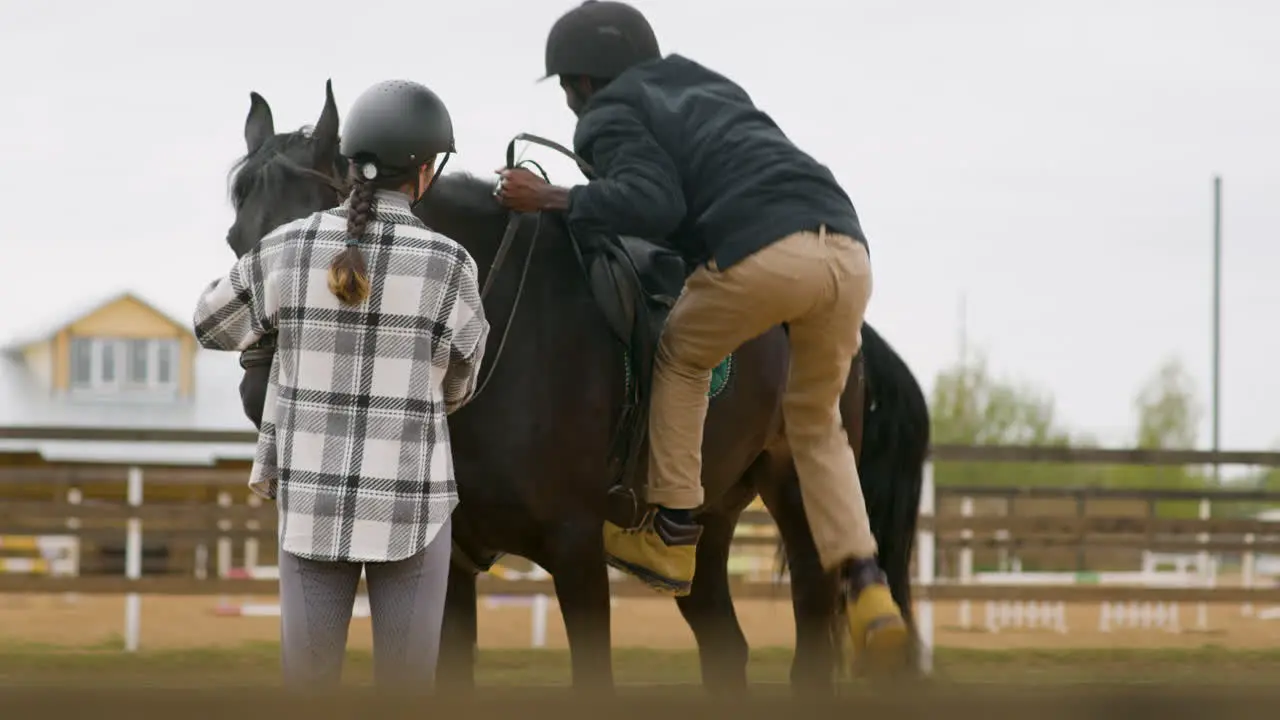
456,669
581,581
708,608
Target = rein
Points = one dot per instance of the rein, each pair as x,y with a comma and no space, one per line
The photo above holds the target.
508,237
514,223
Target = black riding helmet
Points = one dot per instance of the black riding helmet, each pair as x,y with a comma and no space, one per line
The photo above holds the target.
397,125
599,39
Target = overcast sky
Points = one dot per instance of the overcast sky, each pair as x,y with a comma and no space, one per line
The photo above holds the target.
1050,161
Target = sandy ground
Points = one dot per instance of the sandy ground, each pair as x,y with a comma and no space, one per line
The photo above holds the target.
987,702
176,622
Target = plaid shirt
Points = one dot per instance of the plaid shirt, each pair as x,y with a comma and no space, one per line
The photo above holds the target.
354,444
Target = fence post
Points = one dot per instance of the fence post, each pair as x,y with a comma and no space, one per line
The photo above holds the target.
966,563
926,558
1247,569
74,497
251,543
223,549
133,562
1202,610
224,542
538,611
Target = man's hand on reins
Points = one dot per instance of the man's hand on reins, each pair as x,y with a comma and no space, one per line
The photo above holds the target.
523,191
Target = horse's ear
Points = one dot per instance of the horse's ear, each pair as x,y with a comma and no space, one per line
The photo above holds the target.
259,126
325,134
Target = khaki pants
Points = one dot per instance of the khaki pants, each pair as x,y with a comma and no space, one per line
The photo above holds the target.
820,284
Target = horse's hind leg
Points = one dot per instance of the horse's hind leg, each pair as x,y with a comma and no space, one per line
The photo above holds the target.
581,577
456,669
708,608
813,591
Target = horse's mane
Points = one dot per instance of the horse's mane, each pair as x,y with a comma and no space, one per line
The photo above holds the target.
467,193
258,167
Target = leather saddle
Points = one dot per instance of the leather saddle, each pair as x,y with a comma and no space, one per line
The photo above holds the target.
633,280
635,283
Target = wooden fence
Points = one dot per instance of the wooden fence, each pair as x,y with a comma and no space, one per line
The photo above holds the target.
948,526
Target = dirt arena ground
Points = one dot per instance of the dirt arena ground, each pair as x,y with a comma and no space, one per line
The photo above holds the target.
190,622
61,657
968,703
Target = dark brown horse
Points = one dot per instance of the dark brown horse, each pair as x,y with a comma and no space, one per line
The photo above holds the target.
532,449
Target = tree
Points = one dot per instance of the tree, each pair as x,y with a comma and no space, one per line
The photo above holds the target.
1168,416
1168,410
971,407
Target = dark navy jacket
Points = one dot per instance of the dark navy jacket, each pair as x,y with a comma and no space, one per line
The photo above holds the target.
684,157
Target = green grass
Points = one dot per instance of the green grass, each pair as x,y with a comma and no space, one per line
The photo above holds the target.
103,664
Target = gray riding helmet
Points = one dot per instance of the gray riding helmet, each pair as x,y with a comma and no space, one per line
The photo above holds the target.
600,39
398,125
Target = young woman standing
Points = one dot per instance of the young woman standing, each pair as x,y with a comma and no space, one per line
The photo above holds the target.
380,335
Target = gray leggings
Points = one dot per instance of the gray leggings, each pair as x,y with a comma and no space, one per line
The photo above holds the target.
406,606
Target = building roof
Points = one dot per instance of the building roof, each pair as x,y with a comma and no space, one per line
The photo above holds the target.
47,323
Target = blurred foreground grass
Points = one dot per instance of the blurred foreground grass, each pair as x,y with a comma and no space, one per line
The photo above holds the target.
103,664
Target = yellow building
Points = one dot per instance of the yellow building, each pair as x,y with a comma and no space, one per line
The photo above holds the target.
119,362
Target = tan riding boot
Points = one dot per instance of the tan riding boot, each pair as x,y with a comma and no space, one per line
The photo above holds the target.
878,631
660,552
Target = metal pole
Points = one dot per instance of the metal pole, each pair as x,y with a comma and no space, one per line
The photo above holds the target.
1217,322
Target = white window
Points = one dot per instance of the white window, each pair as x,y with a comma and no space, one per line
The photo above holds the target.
105,364
136,352
166,360
81,362
107,356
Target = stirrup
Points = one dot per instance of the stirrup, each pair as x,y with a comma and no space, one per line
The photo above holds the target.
623,508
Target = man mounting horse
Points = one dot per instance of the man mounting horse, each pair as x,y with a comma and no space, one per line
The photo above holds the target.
682,154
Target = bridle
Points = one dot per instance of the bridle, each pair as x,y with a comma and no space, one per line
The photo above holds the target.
342,189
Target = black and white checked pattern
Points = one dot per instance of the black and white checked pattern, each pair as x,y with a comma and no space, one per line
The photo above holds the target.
354,443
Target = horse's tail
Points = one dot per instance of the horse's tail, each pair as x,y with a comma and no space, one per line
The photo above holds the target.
895,446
